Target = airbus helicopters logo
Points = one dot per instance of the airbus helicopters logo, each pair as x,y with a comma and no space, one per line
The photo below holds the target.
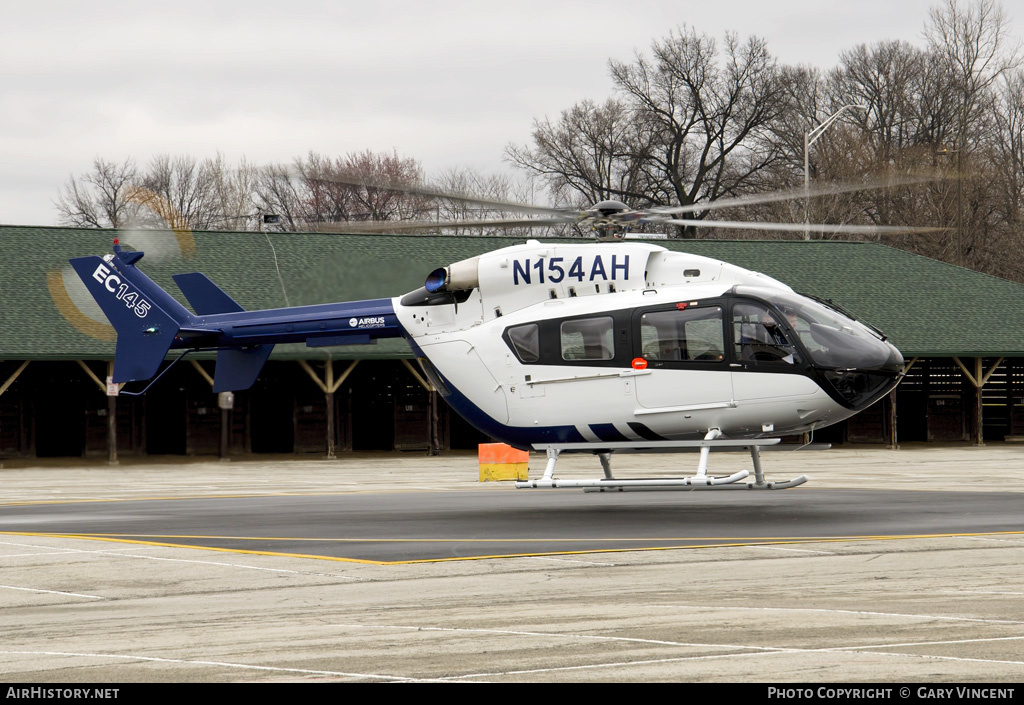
368,322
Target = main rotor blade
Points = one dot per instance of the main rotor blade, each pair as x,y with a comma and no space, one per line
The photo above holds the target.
790,194
435,193
398,226
815,227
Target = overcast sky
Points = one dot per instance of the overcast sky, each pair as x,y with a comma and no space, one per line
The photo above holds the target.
448,83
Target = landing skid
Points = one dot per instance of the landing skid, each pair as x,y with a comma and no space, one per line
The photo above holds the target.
700,481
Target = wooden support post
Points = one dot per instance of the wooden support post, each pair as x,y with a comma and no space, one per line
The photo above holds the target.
111,418
432,413
893,440
435,441
111,390
979,426
329,397
978,378
329,385
348,421
331,435
10,380
205,375
226,402
225,434
22,442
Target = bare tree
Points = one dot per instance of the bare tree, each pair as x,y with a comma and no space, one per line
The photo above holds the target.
694,123
233,194
713,112
376,170
888,79
354,188
467,184
592,153
974,46
1008,146
102,198
973,42
181,192
277,192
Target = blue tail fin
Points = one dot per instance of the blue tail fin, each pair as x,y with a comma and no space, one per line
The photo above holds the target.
237,368
146,317
205,296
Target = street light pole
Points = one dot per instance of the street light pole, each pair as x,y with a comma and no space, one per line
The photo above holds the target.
809,139
958,244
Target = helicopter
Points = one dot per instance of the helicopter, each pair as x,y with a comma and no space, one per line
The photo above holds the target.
613,345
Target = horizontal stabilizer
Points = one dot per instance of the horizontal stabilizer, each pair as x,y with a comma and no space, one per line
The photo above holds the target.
238,368
205,297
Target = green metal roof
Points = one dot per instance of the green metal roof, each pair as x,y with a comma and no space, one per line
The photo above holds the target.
926,307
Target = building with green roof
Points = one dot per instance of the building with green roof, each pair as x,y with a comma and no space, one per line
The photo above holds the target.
961,332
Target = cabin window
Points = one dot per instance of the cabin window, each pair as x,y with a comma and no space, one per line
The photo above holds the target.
588,339
693,334
525,342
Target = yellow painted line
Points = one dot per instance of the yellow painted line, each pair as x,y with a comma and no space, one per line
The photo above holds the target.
791,539
732,542
87,537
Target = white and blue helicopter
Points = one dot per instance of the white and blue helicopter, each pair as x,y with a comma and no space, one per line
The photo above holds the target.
614,345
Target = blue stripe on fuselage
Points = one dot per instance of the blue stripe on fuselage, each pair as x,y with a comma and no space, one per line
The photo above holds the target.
607,432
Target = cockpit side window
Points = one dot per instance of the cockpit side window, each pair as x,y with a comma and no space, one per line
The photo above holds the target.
588,339
693,334
759,335
525,342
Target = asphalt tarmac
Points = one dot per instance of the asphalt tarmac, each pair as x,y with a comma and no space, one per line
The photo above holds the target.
888,566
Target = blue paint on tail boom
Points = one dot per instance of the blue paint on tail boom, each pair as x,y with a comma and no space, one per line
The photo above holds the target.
150,322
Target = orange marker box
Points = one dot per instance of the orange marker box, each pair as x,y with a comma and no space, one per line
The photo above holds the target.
502,462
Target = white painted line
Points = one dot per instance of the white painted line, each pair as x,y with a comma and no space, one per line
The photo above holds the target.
52,592
944,642
681,659
794,550
556,635
795,610
227,664
118,552
567,560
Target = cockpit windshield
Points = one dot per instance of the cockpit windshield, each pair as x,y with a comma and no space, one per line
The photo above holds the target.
829,337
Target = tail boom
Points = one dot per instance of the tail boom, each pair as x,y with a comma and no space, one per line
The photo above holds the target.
150,322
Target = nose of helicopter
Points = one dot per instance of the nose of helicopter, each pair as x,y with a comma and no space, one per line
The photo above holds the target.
866,375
